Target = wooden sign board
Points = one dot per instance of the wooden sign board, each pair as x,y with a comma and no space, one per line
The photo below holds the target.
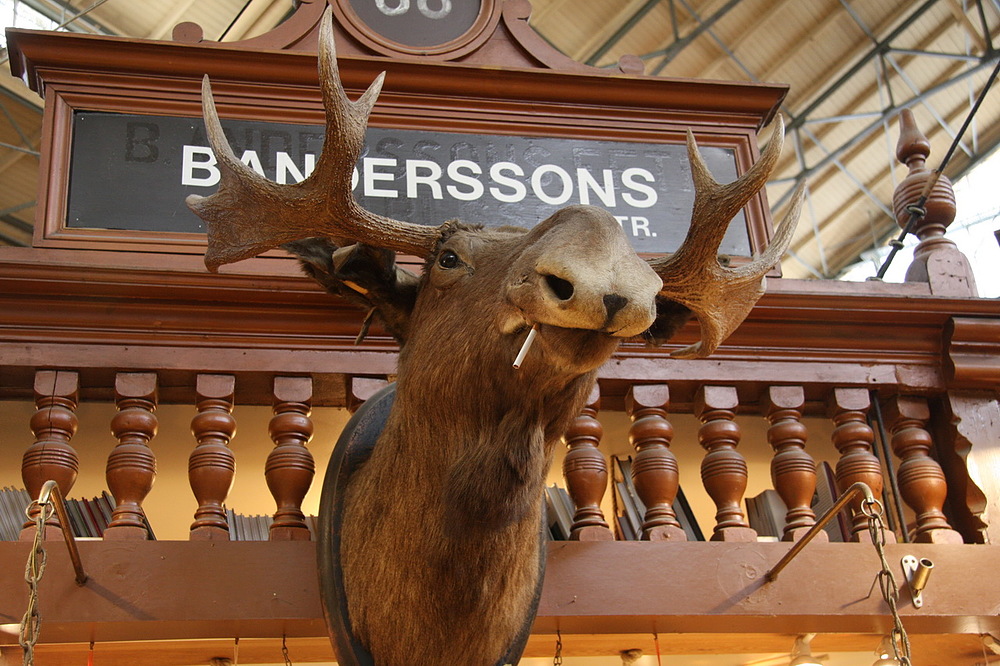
426,177
124,140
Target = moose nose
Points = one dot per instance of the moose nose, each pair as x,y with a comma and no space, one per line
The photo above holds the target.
613,303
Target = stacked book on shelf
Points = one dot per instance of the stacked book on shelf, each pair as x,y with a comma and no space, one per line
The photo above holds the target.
87,517
630,510
13,502
766,511
559,509
257,528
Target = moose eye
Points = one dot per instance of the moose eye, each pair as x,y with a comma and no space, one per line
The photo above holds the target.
448,259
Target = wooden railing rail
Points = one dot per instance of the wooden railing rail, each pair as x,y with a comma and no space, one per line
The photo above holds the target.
917,426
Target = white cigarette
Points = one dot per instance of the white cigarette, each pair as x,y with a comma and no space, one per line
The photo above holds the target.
526,346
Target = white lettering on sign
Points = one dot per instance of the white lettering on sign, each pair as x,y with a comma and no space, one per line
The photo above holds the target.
371,175
638,223
475,190
498,177
199,159
423,7
628,180
430,177
538,180
459,179
401,8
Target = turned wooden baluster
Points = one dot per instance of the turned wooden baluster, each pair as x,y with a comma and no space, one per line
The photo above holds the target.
654,469
212,465
793,470
131,466
723,469
51,457
586,474
853,438
921,482
290,468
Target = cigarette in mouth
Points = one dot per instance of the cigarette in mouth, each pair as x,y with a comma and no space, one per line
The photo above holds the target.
526,346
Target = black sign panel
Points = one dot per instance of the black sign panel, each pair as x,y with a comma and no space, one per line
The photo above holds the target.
133,172
417,23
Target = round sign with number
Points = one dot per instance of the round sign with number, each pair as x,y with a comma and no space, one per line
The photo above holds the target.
442,28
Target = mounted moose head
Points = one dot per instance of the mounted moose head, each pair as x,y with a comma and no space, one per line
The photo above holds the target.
439,541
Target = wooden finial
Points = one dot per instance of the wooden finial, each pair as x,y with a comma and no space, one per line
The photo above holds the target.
937,261
912,144
938,212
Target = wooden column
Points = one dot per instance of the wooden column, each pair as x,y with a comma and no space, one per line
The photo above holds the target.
793,470
654,470
131,466
51,457
921,480
586,473
723,469
970,429
289,469
212,466
853,438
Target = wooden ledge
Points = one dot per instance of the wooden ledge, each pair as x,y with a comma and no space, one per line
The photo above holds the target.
173,590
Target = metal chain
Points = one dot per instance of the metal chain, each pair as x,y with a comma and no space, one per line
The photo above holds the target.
284,652
32,621
557,660
887,582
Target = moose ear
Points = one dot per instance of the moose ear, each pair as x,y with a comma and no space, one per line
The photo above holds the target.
670,318
364,275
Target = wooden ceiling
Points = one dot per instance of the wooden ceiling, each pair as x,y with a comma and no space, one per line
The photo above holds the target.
851,66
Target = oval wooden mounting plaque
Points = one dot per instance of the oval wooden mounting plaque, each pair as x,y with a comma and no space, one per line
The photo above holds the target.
482,27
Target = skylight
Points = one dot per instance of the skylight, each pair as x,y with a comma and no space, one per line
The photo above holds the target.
17,14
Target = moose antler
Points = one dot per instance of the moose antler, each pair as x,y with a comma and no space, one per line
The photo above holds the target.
722,297
250,214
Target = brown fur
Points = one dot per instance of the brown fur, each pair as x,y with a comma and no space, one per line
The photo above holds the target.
440,532
441,526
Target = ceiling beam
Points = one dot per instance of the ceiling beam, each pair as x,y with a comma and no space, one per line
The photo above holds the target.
879,48
636,11
750,31
704,25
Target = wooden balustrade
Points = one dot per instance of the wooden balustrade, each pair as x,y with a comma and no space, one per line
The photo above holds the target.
793,470
290,467
922,483
654,470
212,465
723,469
131,467
586,473
51,457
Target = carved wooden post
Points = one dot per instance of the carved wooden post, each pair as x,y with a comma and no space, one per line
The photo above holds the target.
586,474
921,480
723,469
290,468
793,470
853,438
51,458
131,466
972,427
212,466
936,259
654,470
